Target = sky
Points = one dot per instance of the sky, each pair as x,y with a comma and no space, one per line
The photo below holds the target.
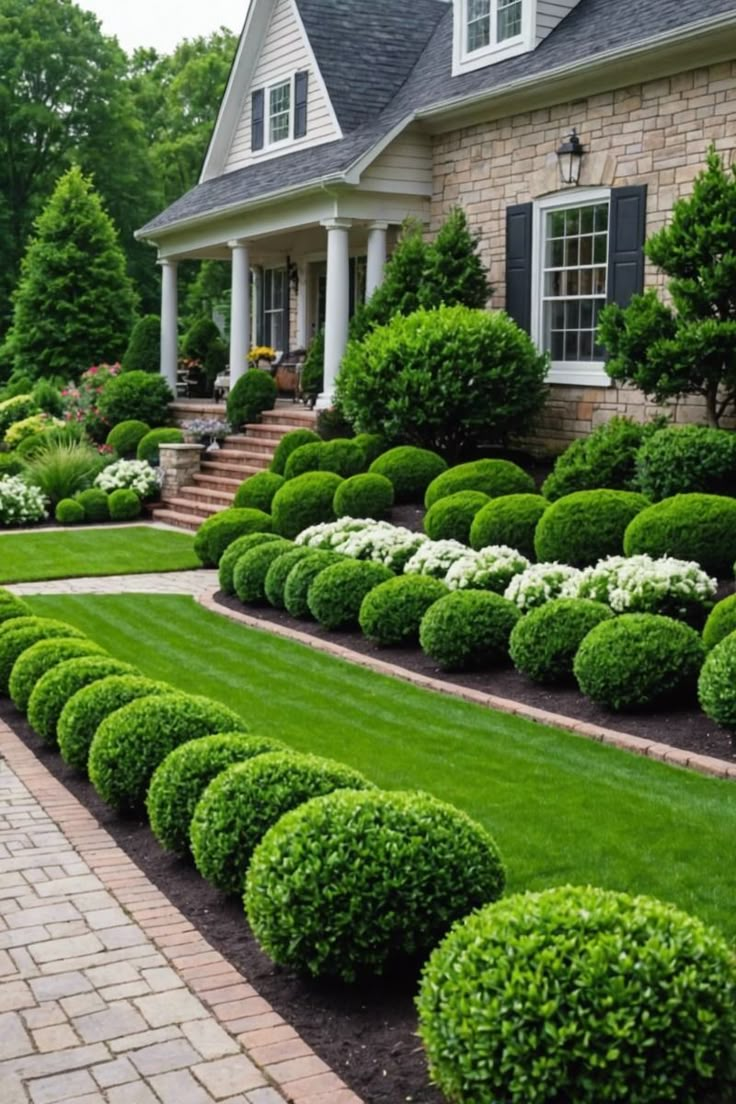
164,23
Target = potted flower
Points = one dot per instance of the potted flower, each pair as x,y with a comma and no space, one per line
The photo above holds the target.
261,356
207,431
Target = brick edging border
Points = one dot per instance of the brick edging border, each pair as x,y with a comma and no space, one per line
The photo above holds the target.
287,1062
651,749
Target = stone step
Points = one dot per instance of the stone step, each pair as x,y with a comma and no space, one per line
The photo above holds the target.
192,506
273,432
250,444
300,415
177,517
230,470
210,495
219,482
197,408
235,456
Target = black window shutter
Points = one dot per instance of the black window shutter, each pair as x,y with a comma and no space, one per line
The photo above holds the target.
301,84
519,264
256,119
286,310
627,226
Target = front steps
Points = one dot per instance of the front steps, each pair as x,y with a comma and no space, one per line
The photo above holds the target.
223,470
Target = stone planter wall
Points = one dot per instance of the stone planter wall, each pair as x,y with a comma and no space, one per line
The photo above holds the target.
178,464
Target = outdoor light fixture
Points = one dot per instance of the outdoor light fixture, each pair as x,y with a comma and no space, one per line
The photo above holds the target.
570,158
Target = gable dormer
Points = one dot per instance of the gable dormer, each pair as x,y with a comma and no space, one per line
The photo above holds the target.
489,31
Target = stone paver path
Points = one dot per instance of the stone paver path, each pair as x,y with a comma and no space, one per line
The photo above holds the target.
195,583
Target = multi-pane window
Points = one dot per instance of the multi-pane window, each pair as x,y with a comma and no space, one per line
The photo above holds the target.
479,24
492,22
279,112
274,307
574,277
508,19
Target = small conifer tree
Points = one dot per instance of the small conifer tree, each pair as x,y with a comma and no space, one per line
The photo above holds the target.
144,348
455,274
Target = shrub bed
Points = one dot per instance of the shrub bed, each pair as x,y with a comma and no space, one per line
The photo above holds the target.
256,492
717,683
468,629
94,502
342,455
696,527
364,496
278,573
290,441
249,575
721,622
35,661
54,689
391,613
543,644
85,711
124,505
511,520
687,460
336,594
585,527
451,518
639,584
410,470
232,554
492,568
493,478
22,632
606,458
304,501
303,459
219,531
541,583
301,577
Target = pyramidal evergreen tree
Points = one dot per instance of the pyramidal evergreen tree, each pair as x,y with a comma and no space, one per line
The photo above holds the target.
400,291
454,273
75,304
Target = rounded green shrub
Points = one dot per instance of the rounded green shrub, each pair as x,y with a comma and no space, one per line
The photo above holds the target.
12,607
687,460
605,458
580,994
468,629
336,594
410,470
135,396
303,459
54,689
342,455
69,512
148,445
253,393
364,496
717,683
278,573
95,503
352,883
124,437
451,518
543,644
491,477
219,531
23,632
240,805
587,526
86,709
257,491
304,501
288,443
249,574
638,659
130,744
41,657
301,577
696,527
143,352
372,444
180,780
392,612
124,505
511,520
232,554
721,622
11,462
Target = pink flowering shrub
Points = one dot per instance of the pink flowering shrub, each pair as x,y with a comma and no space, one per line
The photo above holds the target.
81,401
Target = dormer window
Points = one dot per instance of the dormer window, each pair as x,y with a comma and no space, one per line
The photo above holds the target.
492,22
279,112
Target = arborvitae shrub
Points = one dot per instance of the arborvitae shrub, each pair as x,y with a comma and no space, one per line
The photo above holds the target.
124,437
95,503
301,577
491,477
392,612
304,501
23,632
585,527
606,458
232,554
410,470
687,460
143,353
219,531
696,527
278,573
249,573
452,517
468,629
257,491
41,657
86,709
69,512
543,644
54,689
148,446
124,505
335,596
511,520
253,393
288,443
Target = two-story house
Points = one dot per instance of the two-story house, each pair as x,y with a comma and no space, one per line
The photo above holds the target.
341,118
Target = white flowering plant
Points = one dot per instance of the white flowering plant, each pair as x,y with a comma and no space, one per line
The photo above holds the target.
435,558
135,475
641,584
20,502
492,568
365,539
329,534
540,583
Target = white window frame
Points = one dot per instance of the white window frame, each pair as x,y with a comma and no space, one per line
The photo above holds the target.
465,60
267,143
589,373
268,276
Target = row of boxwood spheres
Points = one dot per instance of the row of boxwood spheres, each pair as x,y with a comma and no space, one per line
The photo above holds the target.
134,439
95,505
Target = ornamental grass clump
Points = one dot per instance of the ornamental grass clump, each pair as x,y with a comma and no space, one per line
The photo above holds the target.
717,683
357,883
86,709
452,517
392,612
278,573
219,531
543,644
54,689
698,527
584,995
587,526
249,574
22,633
368,495
492,568
241,804
130,744
257,491
468,629
180,780
60,470
637,660
304,501
541,583
335,595
639,584
232,554
493,478
35,661
510,520
410,470
721,622
290,441
301,577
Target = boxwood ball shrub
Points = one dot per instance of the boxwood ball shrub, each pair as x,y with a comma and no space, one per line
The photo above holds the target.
468,629
352,883
12,607
54,689
511,520
721,622
22,632
69,512
124,437
130,744
686,460
605,458
249,573
253,393
301,577
85,711
35,661
257,491
240,805
696,527
342,455
179,782
638,659
335,596
410,470
372,444
290,441
304,501
136,396
605,998
124,505
717,683
451,518
219,531
543,644
584,527
148,446
368,495
94,502
232,554
491,477
303,459
391,613
278,573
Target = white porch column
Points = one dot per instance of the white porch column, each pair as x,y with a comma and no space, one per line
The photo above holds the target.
239,310
302,330
376,257
337,308
169,323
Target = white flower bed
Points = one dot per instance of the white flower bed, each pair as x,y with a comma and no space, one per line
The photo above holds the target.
540,583
136,475
365,539
492,568
435,558
640,584
328,534
20,503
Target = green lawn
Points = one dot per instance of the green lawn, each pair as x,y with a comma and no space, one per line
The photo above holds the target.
563,809
30,556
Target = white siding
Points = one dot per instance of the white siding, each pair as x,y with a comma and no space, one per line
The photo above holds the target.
549,14
404,166
284,51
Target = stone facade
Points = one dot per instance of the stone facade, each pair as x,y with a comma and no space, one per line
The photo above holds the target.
655,133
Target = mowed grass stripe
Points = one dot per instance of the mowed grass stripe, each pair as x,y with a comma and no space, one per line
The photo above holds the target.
32,556
563,809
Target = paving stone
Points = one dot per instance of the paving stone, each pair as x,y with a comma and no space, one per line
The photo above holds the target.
45,1015
134,1093
64,1086
164,1057
56,1037
82,1004
226,1076
117,973
106,918
117,1072
161,978
44,1065
173,1088
128,936
161,1009
15,995
55,949
210,1039
266,1095
14,1039
44,914
119,1019
62,985
143,1039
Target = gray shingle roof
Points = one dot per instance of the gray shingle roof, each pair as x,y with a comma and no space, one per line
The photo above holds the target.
587,32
